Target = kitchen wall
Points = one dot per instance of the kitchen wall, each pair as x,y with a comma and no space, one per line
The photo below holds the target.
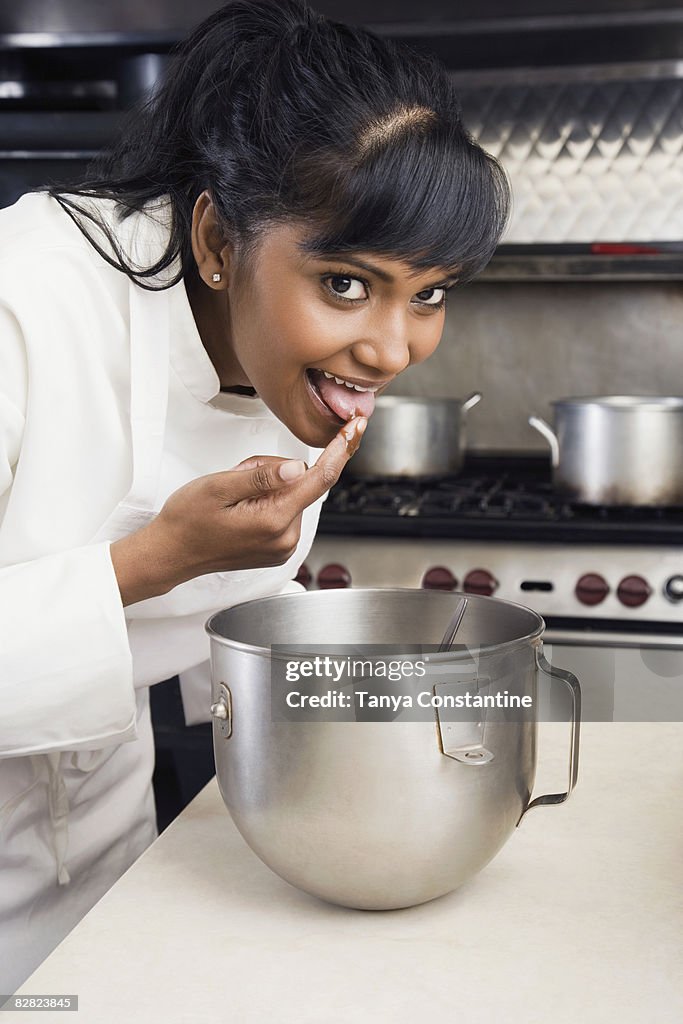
522,344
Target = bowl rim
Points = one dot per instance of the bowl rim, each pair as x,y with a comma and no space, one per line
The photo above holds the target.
534,637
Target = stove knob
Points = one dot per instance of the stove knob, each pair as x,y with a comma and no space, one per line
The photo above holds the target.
673,589
633,591
480,581
333,577
304,576
439,578
591,588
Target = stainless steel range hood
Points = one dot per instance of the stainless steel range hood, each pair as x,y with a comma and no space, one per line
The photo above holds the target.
595,158
582,101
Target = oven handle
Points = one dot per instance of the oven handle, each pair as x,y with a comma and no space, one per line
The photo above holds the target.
593,638
572,682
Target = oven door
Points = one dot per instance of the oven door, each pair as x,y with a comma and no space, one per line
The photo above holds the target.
624,677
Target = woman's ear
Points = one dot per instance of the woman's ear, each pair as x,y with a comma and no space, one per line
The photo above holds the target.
211,253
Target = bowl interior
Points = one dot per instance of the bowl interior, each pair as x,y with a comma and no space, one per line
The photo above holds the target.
369,617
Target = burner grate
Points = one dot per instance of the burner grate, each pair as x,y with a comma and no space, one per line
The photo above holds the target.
495,498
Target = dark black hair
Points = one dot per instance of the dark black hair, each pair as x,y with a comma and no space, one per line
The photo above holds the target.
283,115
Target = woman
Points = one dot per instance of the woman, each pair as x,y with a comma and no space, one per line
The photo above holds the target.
269,245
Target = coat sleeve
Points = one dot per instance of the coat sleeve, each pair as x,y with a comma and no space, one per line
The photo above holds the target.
66,679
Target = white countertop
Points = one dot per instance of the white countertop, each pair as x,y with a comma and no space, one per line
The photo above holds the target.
578,918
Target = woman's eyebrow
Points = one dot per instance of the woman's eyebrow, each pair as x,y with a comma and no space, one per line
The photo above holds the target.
382,274
370,267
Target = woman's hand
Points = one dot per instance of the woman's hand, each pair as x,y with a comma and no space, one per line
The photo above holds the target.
243,518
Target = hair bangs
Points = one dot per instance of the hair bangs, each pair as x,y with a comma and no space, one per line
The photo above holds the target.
283,115
422,200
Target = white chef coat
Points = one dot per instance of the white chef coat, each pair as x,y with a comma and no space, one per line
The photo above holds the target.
108,403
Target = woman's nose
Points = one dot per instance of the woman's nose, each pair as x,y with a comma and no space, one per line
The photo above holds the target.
386,349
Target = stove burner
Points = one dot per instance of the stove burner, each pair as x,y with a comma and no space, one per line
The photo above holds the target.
495,497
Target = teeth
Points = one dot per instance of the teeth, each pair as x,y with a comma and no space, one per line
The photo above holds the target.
340,380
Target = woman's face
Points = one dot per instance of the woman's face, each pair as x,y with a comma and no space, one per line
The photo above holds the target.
293,318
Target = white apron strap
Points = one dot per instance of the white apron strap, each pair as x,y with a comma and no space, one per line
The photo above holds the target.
149,373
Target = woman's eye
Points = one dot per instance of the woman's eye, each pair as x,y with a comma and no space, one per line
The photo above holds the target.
432,296
343,287
346,288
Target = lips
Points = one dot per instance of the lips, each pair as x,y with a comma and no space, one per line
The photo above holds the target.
343,401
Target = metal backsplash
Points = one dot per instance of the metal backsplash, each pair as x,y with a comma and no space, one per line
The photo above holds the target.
592,155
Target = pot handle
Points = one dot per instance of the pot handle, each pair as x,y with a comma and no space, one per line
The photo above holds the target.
471,401
549,434
572,682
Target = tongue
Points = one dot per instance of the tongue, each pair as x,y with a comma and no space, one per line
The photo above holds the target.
345,402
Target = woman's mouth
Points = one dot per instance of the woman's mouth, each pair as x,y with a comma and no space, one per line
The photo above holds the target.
339,401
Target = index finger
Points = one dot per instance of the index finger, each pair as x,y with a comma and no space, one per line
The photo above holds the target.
325,472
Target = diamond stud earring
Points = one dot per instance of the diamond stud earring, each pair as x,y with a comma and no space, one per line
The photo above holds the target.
216,277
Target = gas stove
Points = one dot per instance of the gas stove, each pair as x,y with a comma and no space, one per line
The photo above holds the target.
493,498
499,529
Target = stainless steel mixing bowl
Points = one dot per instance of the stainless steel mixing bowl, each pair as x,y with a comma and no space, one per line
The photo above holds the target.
379,814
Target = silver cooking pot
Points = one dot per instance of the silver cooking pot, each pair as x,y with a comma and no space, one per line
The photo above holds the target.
379,814
413,437
617,449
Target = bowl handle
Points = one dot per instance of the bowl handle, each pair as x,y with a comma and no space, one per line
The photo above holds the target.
572,682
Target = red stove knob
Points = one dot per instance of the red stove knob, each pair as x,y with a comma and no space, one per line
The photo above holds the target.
633,591
304,576
333,577
592,588
439,578
480,581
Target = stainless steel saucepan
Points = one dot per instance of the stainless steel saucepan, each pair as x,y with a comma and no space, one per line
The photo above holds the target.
617,449
413,437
